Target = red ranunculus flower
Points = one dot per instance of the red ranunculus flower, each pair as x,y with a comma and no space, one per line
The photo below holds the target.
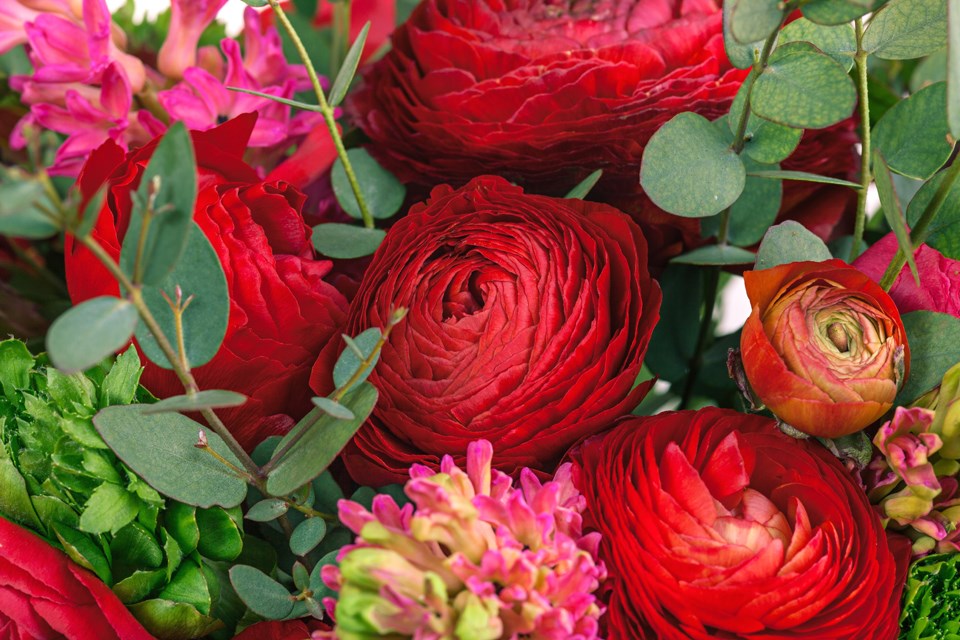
43,594
540,92
282,630
716,525
823,347
528,320
281,311
939,288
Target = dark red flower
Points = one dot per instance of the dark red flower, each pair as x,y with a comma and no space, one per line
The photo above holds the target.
282,312
43,594
529,317
282,630
717,525
939,288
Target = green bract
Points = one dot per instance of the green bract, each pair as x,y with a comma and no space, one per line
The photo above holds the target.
931,599
58,478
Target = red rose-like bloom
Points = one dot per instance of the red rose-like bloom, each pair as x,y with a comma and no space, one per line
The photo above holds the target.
528,320
716,525
282,630
281,311
823,346
939,288
540,92
43,594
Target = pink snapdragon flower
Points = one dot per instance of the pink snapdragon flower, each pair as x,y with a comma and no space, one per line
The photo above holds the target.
15,14
188,19
471,557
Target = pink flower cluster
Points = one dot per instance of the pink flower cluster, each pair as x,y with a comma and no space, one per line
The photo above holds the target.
86,86
472,556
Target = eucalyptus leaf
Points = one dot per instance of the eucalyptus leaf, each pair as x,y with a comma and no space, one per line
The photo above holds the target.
716,255
934,340
198,273
322,443
914,136
741,55
689,170
753,20
306,106
904,29
943,234
332,408
381,190
267,510
346,241
265,596
764,141
349,68
20,215
168,231
753,212
803,87
892,210
790,242
583,189
802,176
953,67
209,399
160,448
307,536
358,349
834,12
837,41
90,331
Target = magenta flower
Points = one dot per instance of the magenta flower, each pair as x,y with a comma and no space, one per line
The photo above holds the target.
15,14
188,19
914,486
471,557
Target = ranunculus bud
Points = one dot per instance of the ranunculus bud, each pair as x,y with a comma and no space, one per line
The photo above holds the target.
824,347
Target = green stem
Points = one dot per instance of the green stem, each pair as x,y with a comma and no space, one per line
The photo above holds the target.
327,111
696,363
135,295
919,232
866,177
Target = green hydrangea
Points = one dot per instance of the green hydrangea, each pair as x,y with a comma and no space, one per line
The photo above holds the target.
58,478
931,599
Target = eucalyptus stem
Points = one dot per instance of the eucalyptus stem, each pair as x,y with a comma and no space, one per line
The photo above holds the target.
327,111
135,295
919,232
866,176
696,363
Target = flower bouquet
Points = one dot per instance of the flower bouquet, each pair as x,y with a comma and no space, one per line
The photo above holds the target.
413,320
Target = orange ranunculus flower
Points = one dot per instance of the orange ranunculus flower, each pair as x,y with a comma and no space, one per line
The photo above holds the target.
823,346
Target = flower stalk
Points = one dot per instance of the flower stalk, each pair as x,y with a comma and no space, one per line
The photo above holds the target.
866,175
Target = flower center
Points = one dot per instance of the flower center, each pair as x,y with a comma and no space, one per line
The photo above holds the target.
463,297
838,336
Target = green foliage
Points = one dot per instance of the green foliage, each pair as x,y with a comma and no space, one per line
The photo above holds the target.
837,41
359,349
835,12
381,190
764,141
265,596
913,135
689,170
346,241
931,599
324,438
198,273
944,231
307,536
24,207
716,255
168,189
586,185
209,399
349,68
58,477
790,242
741,55
675,335
752,20
934,340
803,87
892,210
91,331
162,449
905,29
953,67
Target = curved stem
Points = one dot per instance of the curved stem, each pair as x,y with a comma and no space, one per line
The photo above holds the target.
919,232
327,111
866,177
